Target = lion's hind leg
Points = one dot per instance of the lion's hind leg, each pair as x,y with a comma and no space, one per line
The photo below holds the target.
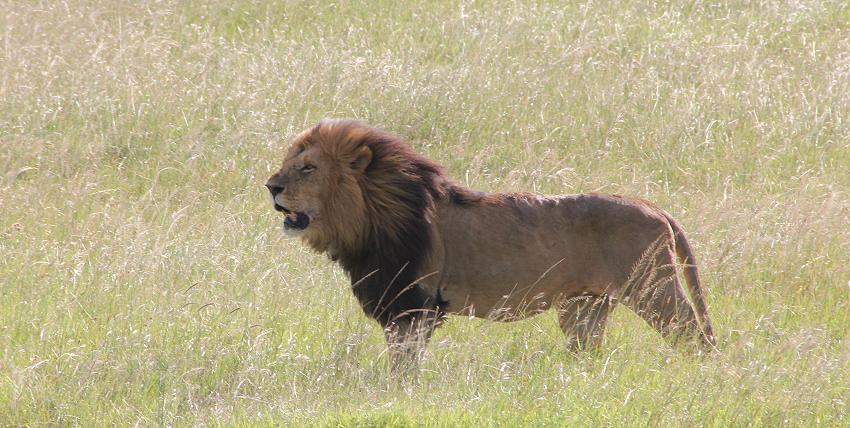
661,301
583,321
654,293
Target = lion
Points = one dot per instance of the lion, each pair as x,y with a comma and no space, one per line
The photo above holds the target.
418,246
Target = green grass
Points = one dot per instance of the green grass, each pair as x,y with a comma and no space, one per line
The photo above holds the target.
144,279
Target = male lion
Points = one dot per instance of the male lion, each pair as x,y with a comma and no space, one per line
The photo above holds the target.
418,246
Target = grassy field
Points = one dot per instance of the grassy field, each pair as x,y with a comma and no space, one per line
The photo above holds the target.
145,281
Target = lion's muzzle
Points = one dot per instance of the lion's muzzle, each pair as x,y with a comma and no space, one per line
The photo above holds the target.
293,221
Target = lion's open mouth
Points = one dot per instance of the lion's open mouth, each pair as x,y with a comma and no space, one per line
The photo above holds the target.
292,221
295,221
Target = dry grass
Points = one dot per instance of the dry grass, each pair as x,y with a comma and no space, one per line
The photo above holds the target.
145,279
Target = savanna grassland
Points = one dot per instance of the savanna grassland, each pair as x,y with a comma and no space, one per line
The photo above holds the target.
145,281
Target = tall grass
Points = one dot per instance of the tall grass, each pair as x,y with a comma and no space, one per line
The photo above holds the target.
144,279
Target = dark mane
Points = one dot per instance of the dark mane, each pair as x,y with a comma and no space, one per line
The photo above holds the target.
400,189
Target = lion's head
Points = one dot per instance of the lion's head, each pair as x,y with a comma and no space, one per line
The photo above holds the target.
317,187
343,183
364,197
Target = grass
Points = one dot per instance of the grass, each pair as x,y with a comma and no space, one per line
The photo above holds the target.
144,280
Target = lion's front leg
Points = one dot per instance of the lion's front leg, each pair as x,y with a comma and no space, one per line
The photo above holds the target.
407,338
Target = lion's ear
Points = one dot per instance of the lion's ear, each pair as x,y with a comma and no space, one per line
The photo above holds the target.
362,159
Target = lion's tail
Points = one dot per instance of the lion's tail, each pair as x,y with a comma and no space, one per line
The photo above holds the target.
686,257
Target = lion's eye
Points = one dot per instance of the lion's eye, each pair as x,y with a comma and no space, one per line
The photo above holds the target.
306,169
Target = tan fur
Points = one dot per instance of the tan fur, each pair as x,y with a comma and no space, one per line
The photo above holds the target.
501,256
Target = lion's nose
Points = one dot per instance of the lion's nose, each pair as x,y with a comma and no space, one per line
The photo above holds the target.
274,188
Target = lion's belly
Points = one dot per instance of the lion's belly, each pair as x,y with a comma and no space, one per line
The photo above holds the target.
497,301
506,290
